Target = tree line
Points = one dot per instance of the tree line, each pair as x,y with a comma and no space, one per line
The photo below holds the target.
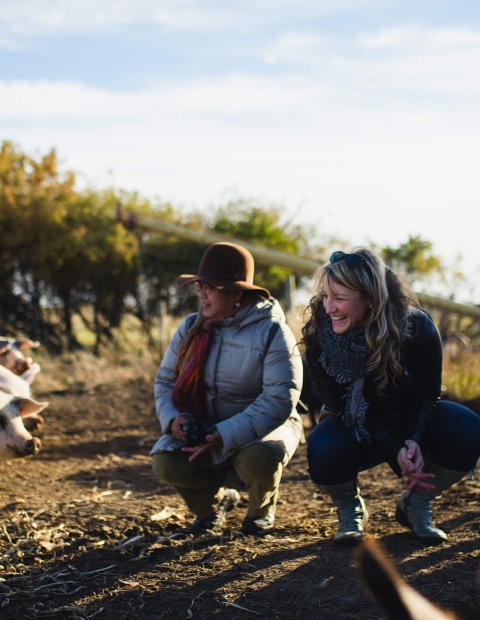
62,253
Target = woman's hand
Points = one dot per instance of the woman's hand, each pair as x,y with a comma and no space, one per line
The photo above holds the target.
410,460
177,426
213,441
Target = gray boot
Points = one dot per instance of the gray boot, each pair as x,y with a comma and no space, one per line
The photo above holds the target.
414,509
352,514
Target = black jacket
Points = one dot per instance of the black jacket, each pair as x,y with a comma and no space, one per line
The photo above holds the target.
404,410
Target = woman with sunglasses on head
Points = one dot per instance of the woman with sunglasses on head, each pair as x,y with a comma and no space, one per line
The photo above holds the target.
226,393
376,361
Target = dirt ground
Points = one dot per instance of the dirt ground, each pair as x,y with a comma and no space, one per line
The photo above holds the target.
87,531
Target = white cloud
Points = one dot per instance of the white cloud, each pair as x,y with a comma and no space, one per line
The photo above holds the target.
451,73
406,59
46,17
229,96
44,100
42,17
458,37
280,137
295,47
11,44
414,36
299,39
411,59
389,37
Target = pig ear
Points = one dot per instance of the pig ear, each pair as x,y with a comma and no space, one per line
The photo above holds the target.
26,344
385,584
4,346
28,406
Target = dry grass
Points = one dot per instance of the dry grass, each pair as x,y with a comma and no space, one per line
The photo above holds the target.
84,370
461,375
132,355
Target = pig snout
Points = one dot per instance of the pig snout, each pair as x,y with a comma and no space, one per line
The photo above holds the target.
15,361
15,441
21,365
33,446
18,447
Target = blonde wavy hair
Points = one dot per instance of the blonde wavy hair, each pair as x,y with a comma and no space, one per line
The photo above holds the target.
387,322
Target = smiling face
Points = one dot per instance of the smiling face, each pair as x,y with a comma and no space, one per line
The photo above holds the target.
215,302
346,308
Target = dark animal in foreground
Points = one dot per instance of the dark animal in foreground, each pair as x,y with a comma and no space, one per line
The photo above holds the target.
398,599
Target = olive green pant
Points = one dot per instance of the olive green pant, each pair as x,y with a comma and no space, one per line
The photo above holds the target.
200,482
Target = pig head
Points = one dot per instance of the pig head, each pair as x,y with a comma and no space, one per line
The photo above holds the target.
16,386
15,440
13,359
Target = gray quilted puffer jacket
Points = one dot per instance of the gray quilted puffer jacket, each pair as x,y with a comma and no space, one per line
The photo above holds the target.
250,392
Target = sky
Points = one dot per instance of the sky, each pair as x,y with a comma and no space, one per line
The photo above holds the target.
361,118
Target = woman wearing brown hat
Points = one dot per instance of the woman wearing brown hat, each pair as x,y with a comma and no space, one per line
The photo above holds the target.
226,393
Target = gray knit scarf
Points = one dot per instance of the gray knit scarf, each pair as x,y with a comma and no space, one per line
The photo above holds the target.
344,357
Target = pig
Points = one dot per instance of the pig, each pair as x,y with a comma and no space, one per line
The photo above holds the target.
15,440
12,358
14,385
398,599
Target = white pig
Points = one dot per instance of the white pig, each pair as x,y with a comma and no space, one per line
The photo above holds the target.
15,440
16,386
13,359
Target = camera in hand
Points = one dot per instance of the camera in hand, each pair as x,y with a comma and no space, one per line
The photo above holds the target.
196,432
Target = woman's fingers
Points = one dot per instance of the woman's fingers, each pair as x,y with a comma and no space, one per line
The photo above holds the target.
418,479
413,451
410,458
212,441
425,485
412,483
200,450
404,463
420,475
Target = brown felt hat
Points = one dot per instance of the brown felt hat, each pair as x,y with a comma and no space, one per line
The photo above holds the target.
226,266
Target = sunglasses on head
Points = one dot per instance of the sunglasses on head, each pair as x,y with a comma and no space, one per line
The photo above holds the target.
351,260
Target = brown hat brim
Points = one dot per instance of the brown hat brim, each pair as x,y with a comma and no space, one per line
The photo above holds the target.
223,285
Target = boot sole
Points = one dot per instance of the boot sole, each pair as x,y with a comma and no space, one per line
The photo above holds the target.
256,531
347,541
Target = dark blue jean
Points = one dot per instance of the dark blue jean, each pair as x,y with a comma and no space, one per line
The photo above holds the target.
335,456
